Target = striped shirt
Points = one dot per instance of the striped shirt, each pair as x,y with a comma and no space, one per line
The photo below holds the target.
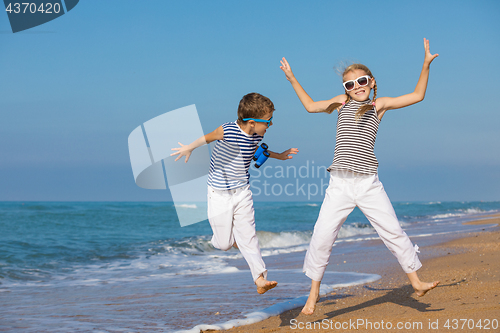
231,158
355,141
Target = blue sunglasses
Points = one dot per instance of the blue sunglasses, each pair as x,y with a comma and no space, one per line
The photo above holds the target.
260,120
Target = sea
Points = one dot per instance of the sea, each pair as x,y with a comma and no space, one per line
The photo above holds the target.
131,267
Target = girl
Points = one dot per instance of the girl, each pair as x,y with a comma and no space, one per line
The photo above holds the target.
353,173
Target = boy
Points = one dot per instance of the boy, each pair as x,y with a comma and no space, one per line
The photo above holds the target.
230,203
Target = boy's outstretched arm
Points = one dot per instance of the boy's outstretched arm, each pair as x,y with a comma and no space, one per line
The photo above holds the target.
305,99
186,150
284,155
388,103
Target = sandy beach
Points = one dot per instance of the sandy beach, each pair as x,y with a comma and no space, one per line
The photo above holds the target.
467,299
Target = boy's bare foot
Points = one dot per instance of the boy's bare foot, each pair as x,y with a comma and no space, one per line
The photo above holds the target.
310,306
263,285
424,287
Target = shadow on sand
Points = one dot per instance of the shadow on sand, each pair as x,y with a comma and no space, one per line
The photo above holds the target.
400,296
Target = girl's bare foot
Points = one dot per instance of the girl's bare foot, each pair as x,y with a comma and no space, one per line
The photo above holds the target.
313,298
310,306
421,288
263,285
424,287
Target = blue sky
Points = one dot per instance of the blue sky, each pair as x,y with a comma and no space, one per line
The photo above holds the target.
74,88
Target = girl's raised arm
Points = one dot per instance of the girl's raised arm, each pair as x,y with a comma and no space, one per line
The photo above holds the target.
388,103
307,101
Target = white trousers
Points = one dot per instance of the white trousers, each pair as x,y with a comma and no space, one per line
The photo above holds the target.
231,216
346,191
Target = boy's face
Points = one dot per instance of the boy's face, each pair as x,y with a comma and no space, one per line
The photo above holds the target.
261,128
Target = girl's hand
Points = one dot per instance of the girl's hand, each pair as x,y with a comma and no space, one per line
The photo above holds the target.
182,151
285,67
428,56
286,154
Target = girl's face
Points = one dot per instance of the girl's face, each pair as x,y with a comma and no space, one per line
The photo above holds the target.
359,94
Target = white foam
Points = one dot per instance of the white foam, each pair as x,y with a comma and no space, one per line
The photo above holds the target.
283,239
231,254
196,255
348,230
358,239
150,268
279,308
273,252
193,206
470,211
447,215
460,213
271,243
295,241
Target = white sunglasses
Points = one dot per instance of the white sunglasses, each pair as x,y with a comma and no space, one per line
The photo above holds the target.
362,81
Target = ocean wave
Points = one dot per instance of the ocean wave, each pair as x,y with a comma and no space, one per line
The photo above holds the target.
458,213
169,265
270,243
283,239
273,252
192,206
189,245
473,210
143,268
355,229
445,216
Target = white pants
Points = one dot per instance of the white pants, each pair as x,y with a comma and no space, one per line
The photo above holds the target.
346,191
231,216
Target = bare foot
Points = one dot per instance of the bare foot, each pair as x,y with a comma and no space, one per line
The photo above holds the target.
236,246
424,287
263,285
310,306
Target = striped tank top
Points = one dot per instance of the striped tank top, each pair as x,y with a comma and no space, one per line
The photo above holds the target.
231,158
355,141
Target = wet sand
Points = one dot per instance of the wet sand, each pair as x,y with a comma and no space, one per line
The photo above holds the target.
467,299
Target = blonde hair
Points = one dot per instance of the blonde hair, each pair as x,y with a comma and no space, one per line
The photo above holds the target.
363,108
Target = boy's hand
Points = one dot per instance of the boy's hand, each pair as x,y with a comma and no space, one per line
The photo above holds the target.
285,67
428,56
286,154
182,151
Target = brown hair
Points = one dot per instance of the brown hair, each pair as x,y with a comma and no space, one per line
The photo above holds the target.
254,105
363,108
